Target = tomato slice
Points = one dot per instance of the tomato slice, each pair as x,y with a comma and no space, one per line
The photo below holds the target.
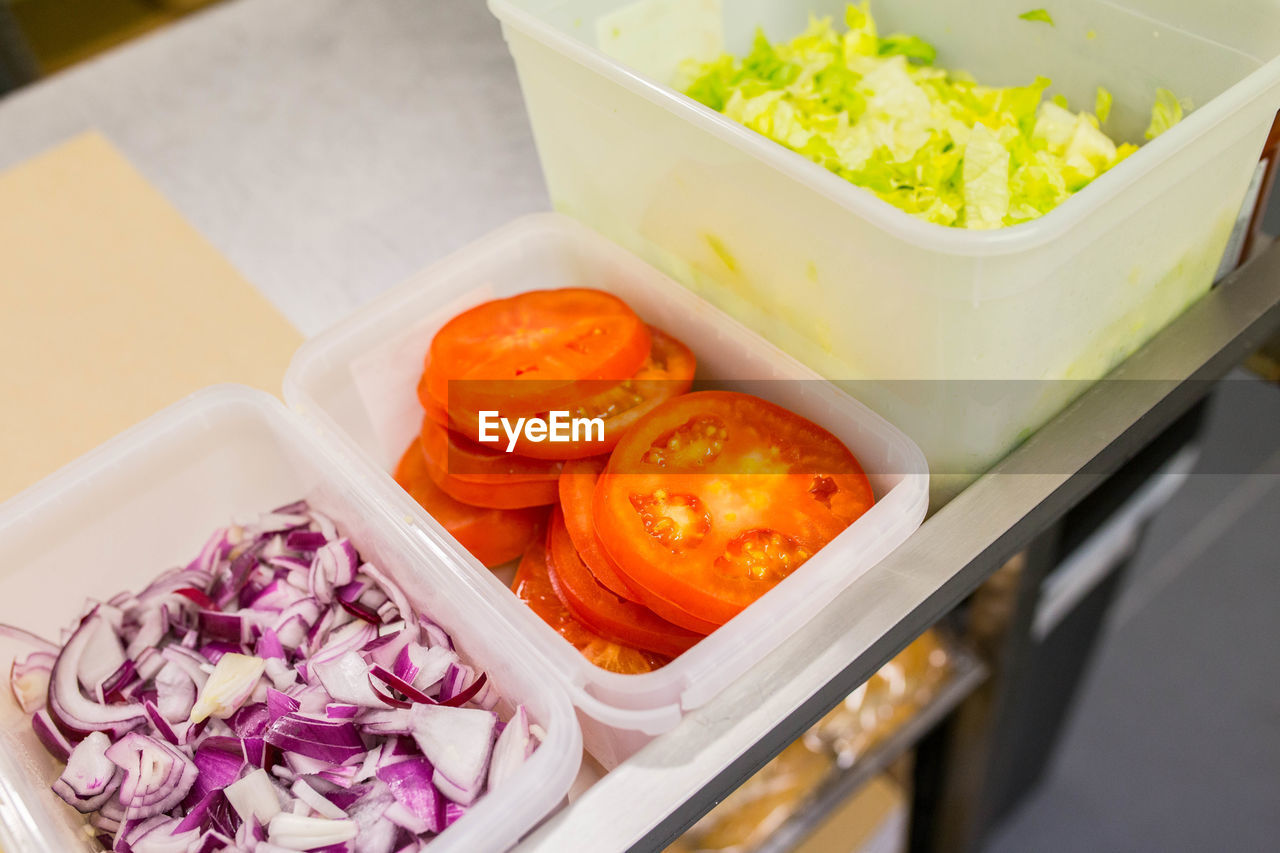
477,463
528,352
504,488
493,536
714,497
482,477
532,585
667,610
577,485
608,615
435,410
667,372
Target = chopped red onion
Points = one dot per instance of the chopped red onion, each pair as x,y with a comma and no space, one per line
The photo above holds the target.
276,694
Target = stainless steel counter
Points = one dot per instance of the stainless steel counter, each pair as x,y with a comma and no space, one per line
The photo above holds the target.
327,148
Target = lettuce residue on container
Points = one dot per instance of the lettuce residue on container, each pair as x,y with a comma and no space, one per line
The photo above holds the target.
931,142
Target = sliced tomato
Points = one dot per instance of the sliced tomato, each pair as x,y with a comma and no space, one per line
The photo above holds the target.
714,497
607,614
666,373
528,353
577,485
493,536
494,496
435,410
532,585
478,463
665,609
482,477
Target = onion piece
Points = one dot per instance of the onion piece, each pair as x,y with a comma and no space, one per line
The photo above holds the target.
436,636
90,778
112,688
513,746
390,679
304,540
458,742
315,802
397,597
346,679
157,776
410,781
160,723
175,692
393,721
296,832
29,680
334,565
403,817
50,736
156,835
254,797
323,740
103,655
199,596
69,708
230,684
467,695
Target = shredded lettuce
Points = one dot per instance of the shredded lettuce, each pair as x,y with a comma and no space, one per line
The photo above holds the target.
876,111
912,47
1165,113
1102,105
1038,15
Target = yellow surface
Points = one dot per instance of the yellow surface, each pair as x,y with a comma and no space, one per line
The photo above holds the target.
111,307
862,818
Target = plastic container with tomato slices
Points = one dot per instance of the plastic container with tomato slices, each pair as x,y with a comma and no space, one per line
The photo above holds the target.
149,498
358,380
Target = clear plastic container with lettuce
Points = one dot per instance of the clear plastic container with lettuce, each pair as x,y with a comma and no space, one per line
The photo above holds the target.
935,143
1003,325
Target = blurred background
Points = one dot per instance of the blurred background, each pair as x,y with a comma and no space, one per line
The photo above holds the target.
1143,716
43,36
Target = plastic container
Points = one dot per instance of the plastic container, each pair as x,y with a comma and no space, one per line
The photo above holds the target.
358,380
148,499
859,290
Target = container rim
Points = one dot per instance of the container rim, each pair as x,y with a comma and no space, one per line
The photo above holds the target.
897,223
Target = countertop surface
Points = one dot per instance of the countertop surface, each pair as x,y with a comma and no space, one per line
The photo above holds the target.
328,149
